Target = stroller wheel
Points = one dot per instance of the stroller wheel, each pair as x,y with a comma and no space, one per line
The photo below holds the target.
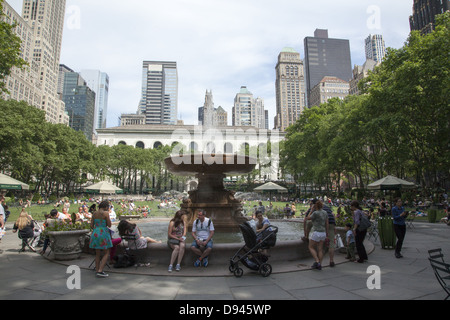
265,270
232,267
238,272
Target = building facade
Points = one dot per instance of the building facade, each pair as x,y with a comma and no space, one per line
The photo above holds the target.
329,88
201,140
40,27
23,84
375,48
99,83
46,17
248,111
424,14
324,57
80,104
359,73
159,101
290,89
209,116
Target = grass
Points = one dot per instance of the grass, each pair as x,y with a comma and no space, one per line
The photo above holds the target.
38,211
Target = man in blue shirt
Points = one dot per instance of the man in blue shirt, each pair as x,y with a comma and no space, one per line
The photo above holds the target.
399,214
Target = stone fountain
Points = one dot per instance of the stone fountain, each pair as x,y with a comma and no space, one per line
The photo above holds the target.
211,196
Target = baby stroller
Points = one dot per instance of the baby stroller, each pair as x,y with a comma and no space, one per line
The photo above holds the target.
249,254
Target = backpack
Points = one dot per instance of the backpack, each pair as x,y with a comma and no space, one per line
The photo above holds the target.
364,222
123,261
198,220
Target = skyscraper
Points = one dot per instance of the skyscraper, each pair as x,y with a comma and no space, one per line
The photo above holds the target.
209,116
159,100
290,88
326,57
248,111
80,103
40,28
46,17
99,83
375,48
424,14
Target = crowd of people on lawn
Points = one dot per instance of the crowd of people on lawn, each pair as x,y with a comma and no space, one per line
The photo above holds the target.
319,230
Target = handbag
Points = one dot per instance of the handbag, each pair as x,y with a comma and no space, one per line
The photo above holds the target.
338,241
174,241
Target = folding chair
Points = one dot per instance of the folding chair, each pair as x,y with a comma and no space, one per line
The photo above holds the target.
442,273
410,220
26,242
93,262
436,254
373,230
131,238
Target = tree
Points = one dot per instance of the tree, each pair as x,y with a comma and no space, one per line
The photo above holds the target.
10,49
409,95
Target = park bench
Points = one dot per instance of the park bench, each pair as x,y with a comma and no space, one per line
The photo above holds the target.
441,269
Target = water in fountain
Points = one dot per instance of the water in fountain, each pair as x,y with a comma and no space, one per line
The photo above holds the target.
158,231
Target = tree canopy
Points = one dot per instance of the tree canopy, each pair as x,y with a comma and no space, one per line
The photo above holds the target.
400,124
10,50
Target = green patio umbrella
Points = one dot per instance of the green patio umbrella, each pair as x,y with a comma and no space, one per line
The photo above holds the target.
6,182
391,183
271,187
385,225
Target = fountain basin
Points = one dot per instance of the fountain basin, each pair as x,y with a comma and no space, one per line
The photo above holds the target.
284,251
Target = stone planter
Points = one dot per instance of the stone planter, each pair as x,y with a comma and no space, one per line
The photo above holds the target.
67,245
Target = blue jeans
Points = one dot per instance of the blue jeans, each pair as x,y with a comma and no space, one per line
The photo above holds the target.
208,245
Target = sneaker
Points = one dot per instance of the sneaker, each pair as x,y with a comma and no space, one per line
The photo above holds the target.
319,266
315,265
205,262
170,268
178,267
197,263
102,274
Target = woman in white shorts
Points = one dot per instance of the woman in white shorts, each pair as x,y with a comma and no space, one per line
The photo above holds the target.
319,220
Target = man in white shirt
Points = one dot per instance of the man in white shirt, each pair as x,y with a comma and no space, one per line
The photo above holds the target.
202,232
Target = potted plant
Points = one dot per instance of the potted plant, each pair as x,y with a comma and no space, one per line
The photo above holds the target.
67,239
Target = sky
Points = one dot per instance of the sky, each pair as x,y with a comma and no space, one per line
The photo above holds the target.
219,45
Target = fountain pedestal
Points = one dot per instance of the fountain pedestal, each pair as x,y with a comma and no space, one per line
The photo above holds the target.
211,196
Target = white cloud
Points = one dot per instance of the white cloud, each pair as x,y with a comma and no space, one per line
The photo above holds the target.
218,44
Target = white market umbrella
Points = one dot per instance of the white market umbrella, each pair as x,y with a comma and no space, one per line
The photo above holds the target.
6,182
103,187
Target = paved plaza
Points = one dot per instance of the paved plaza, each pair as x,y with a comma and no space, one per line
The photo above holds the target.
29,276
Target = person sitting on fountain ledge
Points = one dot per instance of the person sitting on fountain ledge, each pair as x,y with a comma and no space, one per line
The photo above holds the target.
202,232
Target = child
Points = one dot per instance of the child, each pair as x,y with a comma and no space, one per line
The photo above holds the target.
350,238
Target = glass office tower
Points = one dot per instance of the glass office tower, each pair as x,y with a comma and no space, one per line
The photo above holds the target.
159,102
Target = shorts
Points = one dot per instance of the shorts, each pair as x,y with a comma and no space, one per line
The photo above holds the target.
318,236
208,245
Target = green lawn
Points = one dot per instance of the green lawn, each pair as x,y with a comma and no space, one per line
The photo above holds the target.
38,211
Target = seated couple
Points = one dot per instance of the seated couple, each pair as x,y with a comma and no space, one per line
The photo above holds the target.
202,232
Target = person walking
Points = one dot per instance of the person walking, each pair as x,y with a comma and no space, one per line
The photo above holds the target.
359,233
319,219
399,215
